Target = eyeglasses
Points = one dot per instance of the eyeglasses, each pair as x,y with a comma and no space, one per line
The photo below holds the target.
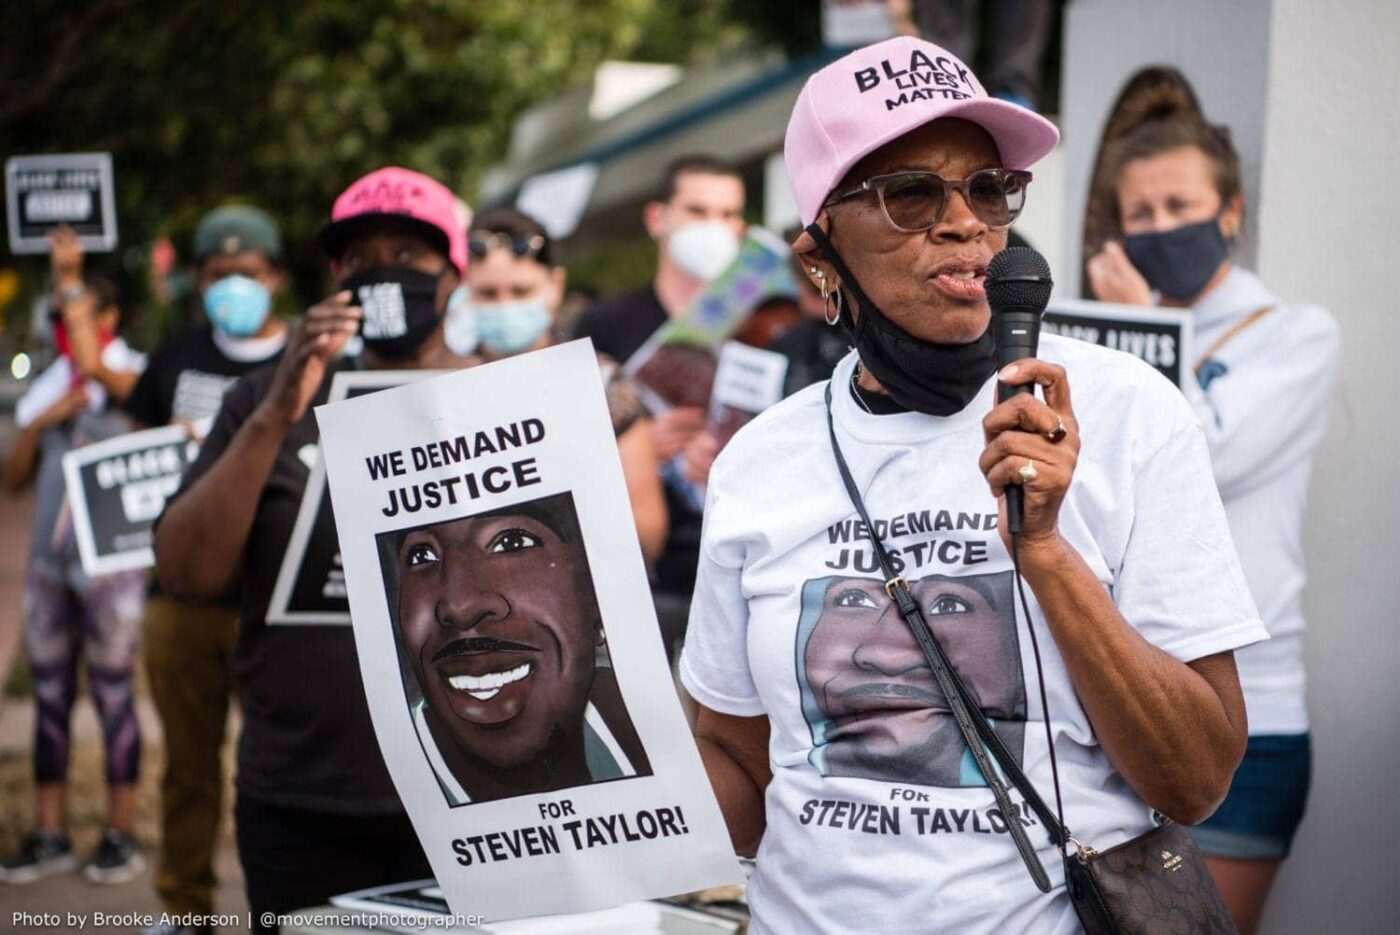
482,244
915,201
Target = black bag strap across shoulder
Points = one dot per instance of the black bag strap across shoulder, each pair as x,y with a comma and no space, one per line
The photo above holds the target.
981,739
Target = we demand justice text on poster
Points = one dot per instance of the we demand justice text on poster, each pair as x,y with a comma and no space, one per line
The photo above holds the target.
509,648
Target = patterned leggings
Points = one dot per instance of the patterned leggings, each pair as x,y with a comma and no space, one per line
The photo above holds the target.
104,623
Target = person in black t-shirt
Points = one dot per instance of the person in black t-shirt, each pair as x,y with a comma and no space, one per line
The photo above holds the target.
316,811
697,221
188,645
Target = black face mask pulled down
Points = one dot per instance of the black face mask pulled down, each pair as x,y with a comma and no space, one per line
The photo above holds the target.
400,308
937,379
1178,263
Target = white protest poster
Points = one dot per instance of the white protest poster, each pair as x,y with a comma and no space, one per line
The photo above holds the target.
116,490
310,586
43,192
1159,336
747,381
509,648
558,199
850,23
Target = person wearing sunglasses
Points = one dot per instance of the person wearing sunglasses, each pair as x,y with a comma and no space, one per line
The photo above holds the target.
907,176
1168,204
516,290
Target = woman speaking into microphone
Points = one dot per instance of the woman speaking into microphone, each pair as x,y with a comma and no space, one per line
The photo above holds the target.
837,737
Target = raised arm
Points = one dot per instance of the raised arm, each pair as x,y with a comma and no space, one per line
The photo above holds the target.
200,540
1174,730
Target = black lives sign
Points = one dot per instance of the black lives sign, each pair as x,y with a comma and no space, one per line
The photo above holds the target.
1158,343
45,192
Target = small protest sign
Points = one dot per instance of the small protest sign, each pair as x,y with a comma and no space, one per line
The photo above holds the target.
117,488
44,192
676,365
508,645
1159,336
747,381
310,586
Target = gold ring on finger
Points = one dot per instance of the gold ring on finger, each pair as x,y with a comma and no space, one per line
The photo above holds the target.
1028,472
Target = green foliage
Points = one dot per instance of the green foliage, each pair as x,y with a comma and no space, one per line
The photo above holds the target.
283,104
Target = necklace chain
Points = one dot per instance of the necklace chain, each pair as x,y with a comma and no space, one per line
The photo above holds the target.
855,389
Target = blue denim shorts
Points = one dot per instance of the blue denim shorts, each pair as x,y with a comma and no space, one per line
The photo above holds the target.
1262,812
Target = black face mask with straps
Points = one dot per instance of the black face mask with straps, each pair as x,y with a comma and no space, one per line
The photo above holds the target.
937,379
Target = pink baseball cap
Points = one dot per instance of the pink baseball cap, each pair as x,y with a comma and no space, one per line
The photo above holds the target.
874,95
394,192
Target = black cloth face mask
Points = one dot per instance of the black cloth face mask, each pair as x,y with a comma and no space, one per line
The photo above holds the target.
1178,263
400,308
937,379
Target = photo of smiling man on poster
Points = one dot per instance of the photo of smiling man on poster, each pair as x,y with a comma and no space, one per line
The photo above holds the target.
504,656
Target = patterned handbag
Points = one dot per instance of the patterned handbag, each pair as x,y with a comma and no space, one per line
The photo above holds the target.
1153,884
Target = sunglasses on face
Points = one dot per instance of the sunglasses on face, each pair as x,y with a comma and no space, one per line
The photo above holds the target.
482,244
915,201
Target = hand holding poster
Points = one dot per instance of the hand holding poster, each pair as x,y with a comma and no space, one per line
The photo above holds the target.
117,488
676,366
1159,336
507,642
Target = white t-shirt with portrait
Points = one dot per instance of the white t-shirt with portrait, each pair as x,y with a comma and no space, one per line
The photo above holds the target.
877,818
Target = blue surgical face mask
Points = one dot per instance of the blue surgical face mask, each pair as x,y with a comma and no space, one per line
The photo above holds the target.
237,305
512,327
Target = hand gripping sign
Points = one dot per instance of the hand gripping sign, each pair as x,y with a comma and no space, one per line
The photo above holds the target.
508,645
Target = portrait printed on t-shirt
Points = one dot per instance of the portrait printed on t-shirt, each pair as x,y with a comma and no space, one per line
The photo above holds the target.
504,656
873,705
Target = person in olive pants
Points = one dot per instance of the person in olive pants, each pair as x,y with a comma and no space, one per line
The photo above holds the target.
189,649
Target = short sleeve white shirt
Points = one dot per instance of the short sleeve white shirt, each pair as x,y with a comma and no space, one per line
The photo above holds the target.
877,818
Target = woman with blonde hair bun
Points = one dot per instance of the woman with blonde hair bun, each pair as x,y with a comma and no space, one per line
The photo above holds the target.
1166,208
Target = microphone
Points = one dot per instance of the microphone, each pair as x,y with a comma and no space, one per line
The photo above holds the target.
1018,287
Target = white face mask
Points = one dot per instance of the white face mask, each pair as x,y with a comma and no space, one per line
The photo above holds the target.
703,249
459,330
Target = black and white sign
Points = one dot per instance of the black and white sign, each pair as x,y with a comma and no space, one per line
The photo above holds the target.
1159,336
310,587
117,488
44,192
508,644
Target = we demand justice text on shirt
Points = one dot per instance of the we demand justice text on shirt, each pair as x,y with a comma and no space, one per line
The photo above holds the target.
877,817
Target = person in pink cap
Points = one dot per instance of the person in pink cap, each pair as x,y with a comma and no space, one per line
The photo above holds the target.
316,812
833,750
